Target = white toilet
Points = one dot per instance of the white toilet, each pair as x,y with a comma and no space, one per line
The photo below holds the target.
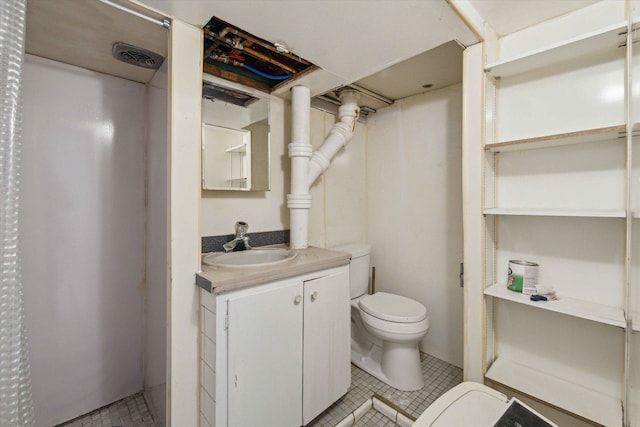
473,404
385,328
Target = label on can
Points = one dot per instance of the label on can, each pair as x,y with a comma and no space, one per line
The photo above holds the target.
523,276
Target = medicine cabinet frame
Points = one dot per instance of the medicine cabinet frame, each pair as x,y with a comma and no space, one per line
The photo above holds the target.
236,137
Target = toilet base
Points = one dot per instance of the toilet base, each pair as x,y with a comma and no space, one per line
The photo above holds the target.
380,363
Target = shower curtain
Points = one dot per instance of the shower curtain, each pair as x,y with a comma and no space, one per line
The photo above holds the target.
16,404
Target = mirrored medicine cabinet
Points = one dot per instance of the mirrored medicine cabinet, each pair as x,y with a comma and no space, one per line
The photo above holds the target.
235,139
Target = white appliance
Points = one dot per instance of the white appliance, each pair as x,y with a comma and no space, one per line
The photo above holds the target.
473,404
385,328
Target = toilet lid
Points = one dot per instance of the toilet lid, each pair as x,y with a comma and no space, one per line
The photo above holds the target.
467,404
393,308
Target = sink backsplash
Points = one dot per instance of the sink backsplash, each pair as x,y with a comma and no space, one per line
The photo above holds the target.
263,238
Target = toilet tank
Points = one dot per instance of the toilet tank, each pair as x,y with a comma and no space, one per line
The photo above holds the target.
359,267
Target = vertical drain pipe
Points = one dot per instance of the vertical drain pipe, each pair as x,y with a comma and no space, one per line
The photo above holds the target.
307,166
300,151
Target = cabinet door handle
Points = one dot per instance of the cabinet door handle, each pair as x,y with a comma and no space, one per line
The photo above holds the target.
314,295
297,300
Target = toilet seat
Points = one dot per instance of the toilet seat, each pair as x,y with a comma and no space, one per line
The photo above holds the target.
467,403
393,308
473,404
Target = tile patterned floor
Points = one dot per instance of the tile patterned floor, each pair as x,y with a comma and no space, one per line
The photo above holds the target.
440,376
374,418
128,412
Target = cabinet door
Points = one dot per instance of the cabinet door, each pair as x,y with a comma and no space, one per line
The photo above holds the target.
327,346
264,379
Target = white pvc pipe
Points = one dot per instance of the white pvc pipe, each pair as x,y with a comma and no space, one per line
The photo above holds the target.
300,151
165,22
307,166
339,135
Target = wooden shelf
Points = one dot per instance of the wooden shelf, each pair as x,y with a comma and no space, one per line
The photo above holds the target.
593,213
564,395
600,313
242,148
602,40
557,140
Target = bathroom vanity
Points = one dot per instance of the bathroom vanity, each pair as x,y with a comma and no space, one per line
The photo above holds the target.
275,340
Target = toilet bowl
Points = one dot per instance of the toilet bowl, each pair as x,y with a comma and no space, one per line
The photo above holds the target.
385,328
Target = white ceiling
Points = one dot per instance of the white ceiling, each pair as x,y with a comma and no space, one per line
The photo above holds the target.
388,46
508,16
434,69
82,33
378,44
347,39
442,66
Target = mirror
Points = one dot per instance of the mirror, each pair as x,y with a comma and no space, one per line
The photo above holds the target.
235,139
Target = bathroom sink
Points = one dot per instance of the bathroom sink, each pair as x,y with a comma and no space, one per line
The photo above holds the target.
250,258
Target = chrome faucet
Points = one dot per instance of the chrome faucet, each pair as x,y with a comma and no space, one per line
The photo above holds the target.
241,241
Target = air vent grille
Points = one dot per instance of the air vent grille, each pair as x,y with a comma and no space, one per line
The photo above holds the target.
212,92
137,56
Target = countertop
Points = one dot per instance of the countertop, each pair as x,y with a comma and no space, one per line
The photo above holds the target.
223,279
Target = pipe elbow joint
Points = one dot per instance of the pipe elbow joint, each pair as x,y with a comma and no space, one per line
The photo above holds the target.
343,129
321,160
348,115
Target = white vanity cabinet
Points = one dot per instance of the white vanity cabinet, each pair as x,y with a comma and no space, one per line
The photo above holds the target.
280,352
264,348
326,355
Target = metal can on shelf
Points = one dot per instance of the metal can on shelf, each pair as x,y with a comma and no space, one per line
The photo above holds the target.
522,276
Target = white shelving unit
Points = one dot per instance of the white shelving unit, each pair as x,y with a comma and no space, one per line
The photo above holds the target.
557,212
226,158
241,148
591,43
569,138
238,167
601,313
590,404
555,172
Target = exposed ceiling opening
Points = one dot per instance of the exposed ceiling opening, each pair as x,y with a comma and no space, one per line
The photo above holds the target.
236,55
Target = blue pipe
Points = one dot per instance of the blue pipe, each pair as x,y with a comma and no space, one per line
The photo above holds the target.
265,75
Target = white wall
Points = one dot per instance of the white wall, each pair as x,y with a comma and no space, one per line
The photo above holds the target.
263,210
82,213
185,91
339,209
414,163
396,184
155,332
474,280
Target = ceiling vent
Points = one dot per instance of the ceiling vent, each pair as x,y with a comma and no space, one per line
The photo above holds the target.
137,56
212,92
233,54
